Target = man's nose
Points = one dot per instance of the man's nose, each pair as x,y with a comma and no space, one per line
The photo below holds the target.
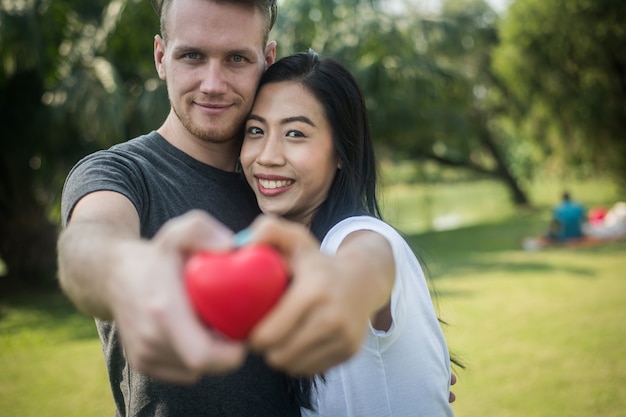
214,78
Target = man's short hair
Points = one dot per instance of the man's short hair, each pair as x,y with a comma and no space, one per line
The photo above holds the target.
269,9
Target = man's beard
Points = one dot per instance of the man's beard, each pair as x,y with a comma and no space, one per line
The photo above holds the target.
223,135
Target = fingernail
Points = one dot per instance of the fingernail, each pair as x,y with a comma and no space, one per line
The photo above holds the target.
243,238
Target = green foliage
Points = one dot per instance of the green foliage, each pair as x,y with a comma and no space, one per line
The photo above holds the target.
564,63
78,76
427,80
69,85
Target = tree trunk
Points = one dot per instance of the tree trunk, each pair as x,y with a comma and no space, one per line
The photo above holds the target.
27,246
502,170
27,237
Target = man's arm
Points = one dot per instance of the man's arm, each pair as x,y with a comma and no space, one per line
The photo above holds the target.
102,225
109,272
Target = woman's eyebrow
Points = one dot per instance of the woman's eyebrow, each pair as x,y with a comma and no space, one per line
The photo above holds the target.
302,119
286,120
256,117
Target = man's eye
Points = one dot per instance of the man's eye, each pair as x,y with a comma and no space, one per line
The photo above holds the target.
238,58
192,55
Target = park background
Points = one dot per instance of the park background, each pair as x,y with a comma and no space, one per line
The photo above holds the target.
482,117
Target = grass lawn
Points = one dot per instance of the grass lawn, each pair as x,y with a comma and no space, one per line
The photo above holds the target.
541,333
50,359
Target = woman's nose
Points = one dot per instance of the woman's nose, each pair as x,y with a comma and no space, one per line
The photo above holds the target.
271,152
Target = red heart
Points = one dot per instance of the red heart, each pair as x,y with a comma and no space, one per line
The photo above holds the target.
232,291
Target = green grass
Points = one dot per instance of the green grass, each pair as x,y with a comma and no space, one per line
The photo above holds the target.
50,359
425,207
541,333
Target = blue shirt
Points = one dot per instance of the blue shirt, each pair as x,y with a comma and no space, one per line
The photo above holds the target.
570,217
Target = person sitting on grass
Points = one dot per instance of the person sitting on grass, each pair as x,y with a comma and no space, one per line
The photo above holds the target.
567,220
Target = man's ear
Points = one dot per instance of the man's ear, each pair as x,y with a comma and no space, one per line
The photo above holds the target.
270,53
159,54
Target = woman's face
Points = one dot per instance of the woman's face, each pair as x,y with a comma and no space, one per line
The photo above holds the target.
288,154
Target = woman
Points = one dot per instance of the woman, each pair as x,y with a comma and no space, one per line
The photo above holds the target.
308,156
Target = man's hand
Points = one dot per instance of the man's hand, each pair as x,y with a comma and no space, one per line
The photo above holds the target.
162,335
110,273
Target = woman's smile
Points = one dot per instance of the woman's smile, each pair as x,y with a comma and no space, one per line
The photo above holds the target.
272,186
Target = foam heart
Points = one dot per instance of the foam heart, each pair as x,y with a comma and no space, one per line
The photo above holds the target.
232,291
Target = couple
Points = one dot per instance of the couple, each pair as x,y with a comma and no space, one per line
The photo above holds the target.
135,212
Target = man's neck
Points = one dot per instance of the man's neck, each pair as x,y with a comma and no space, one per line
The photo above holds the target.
223,155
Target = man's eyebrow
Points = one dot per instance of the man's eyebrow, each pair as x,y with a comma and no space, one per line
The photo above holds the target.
180,49
242,51
246,52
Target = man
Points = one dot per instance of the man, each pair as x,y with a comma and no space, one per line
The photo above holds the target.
129,224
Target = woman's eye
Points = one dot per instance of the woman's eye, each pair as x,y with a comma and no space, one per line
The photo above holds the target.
295,134
253,130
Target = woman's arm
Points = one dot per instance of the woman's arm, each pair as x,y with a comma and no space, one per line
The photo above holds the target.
369,255
322,319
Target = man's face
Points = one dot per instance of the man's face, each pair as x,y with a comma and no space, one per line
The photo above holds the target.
212,62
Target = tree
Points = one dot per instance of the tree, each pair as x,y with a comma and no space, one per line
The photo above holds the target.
565,64
428,81
61,97
465,103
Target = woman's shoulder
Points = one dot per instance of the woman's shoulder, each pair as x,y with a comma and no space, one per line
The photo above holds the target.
342,229
361,222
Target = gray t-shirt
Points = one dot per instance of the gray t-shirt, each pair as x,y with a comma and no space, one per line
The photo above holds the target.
163,182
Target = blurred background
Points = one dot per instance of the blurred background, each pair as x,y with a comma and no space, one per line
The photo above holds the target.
483,113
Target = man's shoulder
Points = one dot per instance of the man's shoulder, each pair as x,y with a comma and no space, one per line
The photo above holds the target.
133,151
139,145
